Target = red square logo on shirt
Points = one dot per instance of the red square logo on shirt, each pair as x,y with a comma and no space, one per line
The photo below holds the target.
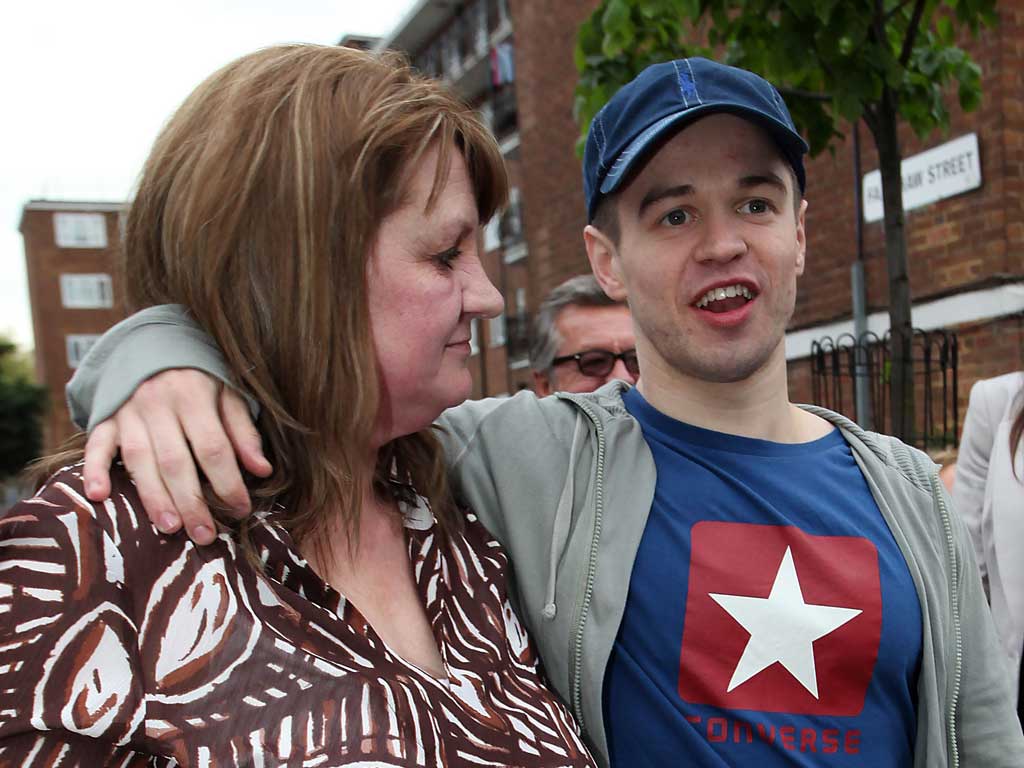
778,620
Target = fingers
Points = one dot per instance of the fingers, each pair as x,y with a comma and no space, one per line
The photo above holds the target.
155,429
177,470
215,453
140,461
180,409
242,433
100,449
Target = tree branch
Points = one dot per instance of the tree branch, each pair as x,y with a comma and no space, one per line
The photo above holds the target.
878,23
870,118
908,42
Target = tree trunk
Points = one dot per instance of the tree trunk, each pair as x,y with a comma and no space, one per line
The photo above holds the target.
901,383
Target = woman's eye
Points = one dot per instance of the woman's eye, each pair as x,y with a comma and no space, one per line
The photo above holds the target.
675,218
755,206
446,258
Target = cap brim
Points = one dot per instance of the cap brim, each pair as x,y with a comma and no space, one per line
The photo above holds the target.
791,143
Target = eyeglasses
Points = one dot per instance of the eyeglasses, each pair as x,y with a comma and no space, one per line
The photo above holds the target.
599,362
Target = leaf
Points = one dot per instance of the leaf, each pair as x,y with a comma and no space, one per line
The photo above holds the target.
823,10
616,18
579,57
944,30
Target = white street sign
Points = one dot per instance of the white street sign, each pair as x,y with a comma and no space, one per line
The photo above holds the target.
935,174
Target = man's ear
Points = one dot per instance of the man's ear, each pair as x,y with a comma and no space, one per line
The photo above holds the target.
801,238
604,262
542,384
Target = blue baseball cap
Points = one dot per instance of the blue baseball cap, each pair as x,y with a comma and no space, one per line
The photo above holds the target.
661,100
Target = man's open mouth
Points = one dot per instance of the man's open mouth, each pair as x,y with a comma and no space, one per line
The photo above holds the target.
725,298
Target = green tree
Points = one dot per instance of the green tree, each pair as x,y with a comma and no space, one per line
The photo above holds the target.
835,62
22,403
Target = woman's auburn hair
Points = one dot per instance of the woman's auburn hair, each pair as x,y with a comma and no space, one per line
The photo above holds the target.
257,211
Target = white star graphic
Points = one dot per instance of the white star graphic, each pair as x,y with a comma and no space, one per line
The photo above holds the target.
782,628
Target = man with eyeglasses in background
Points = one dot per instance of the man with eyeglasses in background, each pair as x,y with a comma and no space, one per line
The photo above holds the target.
581,339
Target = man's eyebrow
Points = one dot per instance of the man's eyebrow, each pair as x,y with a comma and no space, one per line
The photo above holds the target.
761,179
660,193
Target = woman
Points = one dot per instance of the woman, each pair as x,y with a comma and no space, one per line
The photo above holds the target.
316,210
989,494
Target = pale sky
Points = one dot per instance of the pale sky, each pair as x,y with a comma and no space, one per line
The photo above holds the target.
88,85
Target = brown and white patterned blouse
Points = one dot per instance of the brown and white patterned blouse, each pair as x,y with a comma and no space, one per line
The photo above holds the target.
123,647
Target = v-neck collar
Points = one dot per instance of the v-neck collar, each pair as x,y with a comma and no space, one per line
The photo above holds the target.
300,587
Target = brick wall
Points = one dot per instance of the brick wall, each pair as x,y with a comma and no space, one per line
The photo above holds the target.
989,349
553,208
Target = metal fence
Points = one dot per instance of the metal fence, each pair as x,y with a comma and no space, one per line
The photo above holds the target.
837,363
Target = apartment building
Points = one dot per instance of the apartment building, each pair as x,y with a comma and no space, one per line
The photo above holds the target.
69,254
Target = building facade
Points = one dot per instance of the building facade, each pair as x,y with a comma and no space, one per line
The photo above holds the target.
69,255
966,248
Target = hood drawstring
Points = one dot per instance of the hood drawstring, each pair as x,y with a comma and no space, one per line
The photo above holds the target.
563,517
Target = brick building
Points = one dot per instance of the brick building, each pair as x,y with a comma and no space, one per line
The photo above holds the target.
69,254
966,250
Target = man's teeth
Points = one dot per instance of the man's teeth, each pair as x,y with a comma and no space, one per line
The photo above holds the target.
726,292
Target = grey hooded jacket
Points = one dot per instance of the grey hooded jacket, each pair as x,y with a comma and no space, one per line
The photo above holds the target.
565,483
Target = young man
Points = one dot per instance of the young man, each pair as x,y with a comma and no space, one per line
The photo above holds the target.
582,339
713,575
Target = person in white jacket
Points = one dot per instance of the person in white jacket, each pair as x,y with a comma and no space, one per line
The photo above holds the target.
989,494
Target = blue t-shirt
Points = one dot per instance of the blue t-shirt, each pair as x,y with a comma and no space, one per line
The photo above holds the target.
771,619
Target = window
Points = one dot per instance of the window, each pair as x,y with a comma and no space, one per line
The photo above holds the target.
78,346
512,221
492,233
518,333
474,336
80,230
521,301
515,252
496,331
86,291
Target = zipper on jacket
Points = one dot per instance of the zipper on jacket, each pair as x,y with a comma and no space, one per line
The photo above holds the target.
954,750
575,680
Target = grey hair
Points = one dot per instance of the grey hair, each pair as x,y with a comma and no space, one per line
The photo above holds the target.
580,291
